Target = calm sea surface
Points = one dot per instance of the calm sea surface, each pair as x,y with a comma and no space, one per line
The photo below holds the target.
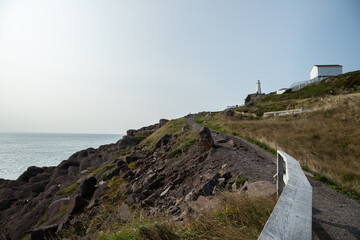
18,151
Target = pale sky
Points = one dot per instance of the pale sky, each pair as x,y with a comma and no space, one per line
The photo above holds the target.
81,66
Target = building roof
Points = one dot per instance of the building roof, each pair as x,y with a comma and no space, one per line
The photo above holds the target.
335,65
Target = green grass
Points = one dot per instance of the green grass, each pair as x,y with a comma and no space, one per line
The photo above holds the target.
262,145
343,82
241,180
171,127
213,124
108,166
233,216
68,191
183,141
141,136
339,189
123,152
62,211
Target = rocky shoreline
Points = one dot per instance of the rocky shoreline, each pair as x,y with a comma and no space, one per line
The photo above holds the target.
45,202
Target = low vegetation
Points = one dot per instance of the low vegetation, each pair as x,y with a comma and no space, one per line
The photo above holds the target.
183,136
171,127
233,216
323,139
68,191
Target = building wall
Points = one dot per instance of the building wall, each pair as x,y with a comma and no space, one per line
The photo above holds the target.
323,72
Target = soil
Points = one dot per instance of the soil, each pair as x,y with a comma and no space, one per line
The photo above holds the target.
335,216
165,184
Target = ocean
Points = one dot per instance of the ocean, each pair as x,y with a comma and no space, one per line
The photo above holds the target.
18,151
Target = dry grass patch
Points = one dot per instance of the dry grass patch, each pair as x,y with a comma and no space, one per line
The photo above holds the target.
234,216
325,140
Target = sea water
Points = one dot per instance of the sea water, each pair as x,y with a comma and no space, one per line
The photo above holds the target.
18,151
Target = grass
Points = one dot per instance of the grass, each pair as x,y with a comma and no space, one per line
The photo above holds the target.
62,211
233,216
348,193
182,141
171,127
324,140
68,191
241,180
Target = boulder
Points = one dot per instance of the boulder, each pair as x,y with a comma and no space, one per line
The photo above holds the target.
131,132
206,142
162,122
88,186
76,204
207,188
6,203
229,113
163,141
45,232
30,172
126,142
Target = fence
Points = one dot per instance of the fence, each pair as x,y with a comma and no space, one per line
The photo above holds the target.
281,113
299,85
292,215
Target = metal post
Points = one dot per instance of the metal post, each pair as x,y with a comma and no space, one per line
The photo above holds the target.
280,174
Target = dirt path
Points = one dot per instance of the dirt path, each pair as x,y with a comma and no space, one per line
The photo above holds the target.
335,216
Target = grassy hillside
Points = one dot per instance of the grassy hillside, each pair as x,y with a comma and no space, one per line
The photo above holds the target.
324,139
308,96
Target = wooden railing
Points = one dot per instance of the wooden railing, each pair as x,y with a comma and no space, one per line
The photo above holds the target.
292,215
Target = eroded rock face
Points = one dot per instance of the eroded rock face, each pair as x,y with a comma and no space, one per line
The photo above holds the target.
152,179
206,141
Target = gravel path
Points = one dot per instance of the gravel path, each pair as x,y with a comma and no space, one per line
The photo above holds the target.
335,216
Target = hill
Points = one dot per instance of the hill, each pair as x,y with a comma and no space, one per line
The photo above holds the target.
324,138
177,180
170,180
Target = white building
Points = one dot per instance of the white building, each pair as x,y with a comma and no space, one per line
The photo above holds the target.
258,87
323,71
318,73
281,91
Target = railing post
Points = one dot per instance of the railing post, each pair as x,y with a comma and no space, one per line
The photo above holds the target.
280,174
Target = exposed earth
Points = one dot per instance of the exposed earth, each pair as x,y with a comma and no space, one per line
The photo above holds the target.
43,202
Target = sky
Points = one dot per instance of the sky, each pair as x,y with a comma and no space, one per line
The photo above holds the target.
85,66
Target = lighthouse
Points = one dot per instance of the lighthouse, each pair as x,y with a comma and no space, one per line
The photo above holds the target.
258,88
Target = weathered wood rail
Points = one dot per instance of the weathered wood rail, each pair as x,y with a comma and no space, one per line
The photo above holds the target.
292,215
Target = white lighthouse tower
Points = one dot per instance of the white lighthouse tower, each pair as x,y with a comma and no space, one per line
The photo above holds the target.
258,88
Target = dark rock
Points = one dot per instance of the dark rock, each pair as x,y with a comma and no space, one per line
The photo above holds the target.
207,189
76,204
158,182
45,232
30,172
131,159
6,203
162,122
88,186
163,141
68,163
227,175
229,113
99,192
126,142
40,177
113,173
120,163
206,141
38,187
131,132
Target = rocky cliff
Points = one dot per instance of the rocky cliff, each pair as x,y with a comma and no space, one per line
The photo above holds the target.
163,168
